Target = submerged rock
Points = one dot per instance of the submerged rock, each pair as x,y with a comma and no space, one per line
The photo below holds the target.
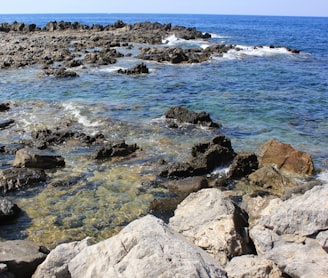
22,257
35,158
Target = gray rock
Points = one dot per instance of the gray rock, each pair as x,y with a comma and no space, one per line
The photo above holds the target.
322,238
21,257
147,247
211,221
35,158
252,266
303,215
56,263
286,233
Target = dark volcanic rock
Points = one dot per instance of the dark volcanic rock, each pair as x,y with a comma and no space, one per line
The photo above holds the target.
64,73
183,115
243,165
46,137
116,149
174,55
178,170
35,158
4,107
5,123
16,178
138,69
22,257
8,210
206,156
209,155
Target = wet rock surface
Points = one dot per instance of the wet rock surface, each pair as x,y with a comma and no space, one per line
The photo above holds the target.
16,178
48,137
183,115
138,69
8,210
205,157
35,158
115,149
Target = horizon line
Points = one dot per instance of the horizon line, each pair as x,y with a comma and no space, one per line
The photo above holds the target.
157,13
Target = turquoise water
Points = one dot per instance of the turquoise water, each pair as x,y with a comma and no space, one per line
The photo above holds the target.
255,94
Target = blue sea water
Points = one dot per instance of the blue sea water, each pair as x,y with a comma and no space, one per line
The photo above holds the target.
256,94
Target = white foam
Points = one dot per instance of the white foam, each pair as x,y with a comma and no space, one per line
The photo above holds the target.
243,51
218,36
111,69
173,41
323,176
75,111
221,171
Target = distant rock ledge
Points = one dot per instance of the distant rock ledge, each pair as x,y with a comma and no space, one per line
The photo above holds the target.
70,45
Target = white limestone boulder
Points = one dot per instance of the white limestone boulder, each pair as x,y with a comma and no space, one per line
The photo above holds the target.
210,220
147,247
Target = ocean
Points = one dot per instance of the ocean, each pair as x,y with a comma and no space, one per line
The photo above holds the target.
256,94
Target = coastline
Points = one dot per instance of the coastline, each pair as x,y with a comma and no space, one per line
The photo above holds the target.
66,138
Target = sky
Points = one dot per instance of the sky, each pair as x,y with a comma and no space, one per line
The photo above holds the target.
240,7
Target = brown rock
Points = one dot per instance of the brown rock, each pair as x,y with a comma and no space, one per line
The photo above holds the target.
35,158
271,179
285,158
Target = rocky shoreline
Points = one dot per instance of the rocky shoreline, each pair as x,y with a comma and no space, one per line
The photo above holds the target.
280,218
267,216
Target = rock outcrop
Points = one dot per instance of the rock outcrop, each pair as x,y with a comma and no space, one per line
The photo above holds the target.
116,149
205,157
138,69
285,158
183,115
147,247
287,233
35,158
16,178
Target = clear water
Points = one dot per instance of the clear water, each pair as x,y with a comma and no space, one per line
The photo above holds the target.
255,94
